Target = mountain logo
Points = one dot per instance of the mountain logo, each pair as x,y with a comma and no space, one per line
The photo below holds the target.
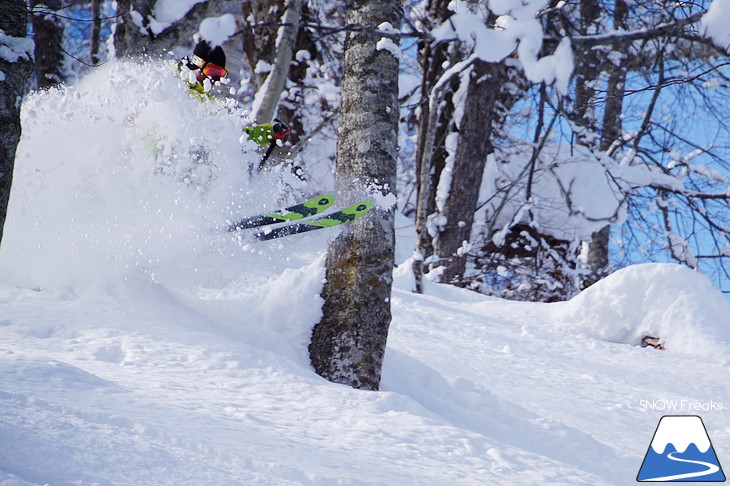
681,451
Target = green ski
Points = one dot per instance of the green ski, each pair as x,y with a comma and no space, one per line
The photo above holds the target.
303,210
325,221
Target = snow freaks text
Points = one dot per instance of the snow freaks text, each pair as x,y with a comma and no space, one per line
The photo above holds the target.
664,405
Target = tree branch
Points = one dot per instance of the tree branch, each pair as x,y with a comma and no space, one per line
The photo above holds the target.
331,30
626,37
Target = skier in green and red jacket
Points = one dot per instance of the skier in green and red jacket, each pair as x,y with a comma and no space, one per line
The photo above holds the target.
205,69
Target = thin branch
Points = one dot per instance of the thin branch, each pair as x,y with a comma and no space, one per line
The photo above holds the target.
81,60
676,81
641,34
54,13
331,30
690,194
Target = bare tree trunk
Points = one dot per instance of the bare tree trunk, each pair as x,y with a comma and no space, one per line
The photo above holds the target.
95,32
16,65
475,130
430,161
348,344
259,44
434,124
586,72
48,32
290,109
596,258
276,80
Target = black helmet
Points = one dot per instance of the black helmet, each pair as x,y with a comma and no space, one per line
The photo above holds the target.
214,55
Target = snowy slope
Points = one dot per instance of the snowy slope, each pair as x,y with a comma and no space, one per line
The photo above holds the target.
140,345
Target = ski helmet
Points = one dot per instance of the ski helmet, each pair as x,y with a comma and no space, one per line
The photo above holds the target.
213,55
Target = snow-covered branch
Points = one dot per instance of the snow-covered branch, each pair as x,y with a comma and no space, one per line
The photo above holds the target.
587,41
332,29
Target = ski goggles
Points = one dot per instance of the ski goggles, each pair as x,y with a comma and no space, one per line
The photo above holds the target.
209,69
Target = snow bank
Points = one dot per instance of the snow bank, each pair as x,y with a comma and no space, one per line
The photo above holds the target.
668,301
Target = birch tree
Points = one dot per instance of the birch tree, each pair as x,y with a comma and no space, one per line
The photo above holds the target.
294,70
275,82
348,343
16,64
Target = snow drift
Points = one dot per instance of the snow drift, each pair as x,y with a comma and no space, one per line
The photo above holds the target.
672,302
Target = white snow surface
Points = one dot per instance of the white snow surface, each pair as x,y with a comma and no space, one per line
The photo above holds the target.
140,344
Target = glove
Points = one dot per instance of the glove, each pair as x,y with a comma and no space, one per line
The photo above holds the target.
281,130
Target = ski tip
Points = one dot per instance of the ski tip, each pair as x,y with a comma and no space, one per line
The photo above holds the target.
363,206
322,202
357,210
325,199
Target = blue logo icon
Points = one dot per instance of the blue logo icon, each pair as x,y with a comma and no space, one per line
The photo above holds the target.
681,451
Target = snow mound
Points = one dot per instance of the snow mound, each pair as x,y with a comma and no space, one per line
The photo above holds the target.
668,301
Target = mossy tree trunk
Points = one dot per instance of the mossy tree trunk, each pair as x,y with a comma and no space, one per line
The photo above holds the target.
348,344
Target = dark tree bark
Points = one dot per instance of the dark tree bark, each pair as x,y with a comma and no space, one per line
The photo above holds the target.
13,84
434,119
597,259
95,32
348,344
48,32
259,44
586,72
475,131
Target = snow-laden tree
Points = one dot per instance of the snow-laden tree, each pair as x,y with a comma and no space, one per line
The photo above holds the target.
592,132
470,82
16,64
348,344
